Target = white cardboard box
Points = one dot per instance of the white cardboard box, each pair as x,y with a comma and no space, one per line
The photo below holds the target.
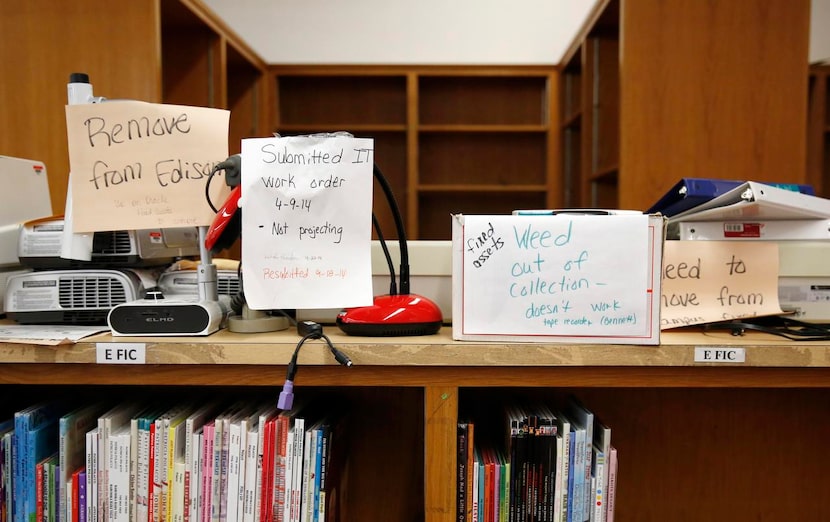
430,275
804,279
576,278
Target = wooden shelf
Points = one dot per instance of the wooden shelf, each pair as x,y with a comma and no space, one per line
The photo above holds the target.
604,172
483,128
354,128
482,188
418,386
474,127
224,349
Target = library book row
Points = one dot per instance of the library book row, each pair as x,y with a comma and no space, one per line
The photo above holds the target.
553,465
242,461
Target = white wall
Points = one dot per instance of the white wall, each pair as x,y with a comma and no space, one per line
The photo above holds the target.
427,31
406,31
820,31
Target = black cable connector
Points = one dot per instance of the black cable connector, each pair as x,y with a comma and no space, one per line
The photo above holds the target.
308,330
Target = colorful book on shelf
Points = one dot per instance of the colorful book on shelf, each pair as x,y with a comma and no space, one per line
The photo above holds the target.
471,439
583,421
281,455
263,502
112,420
41,442
6,434
309,456
297,472
91,504
193,423
145,460
118,474
333,462
568,510
560,481
208,432
45,500
76,483
178,500
72,429
168,448
602,450
461,471
234,490
612,484
688,193
251,466
192,509
26,456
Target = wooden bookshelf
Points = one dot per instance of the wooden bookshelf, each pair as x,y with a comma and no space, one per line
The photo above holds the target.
818,137
694,438
163,51
449,139
682,94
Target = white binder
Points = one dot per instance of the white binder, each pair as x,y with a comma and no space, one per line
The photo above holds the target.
757,201
749,229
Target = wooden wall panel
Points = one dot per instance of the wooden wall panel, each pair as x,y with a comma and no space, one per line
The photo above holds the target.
711,89
43,42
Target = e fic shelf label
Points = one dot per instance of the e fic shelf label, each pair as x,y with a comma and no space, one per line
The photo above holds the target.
121,353
719,354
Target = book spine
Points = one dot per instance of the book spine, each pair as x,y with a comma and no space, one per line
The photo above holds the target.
207,470
142,472
251,457
177,508
461,472
324,463
39,492
288,480
152,465
296,492
193,477
599,494
224,492
188,460
266,471
82,496
308,466
278,481
612,485
90,473
216,472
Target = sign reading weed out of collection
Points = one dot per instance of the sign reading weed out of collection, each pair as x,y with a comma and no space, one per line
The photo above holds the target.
557,278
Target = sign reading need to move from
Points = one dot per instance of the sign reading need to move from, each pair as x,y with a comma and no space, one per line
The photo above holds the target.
307,222
139,165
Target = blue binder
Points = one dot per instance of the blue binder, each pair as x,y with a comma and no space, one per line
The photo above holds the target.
691,192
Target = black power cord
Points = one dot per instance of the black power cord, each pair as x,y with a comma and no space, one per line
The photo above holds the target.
308,330
786,327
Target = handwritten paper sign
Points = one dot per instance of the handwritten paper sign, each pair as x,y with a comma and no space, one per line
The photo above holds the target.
138,165
542,278
306,222
709,281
